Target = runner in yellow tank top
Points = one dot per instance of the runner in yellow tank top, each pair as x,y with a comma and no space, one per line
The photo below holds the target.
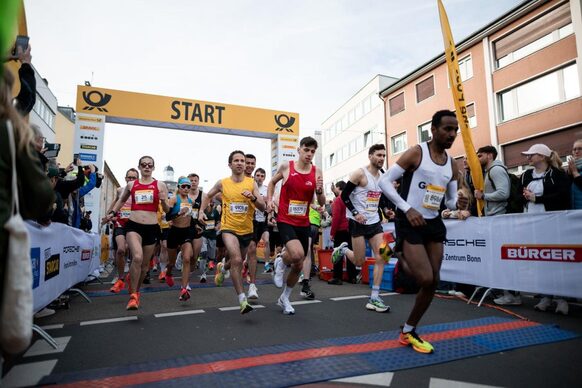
240,196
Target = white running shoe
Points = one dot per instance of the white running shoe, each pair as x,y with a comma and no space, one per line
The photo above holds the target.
279,272
188,288
253,292
562,307
285,305
225,272
544,304
338,252
508,300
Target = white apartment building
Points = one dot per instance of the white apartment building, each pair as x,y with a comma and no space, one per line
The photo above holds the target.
351,130
45,108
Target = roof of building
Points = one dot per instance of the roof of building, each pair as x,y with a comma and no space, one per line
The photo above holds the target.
511,15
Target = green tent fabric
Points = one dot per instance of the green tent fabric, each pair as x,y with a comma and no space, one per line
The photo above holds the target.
8,19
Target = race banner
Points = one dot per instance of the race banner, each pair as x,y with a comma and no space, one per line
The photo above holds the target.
460,105
61,257
538,253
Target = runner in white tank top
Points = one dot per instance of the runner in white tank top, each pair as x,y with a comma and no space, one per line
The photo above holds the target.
362,198
428,178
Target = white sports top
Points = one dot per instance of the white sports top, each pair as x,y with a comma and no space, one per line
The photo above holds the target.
260,215
424,188
366,200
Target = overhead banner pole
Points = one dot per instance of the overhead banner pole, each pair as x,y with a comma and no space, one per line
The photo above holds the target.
460,105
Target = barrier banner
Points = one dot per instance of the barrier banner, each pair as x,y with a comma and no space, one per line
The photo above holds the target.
539,253
61,256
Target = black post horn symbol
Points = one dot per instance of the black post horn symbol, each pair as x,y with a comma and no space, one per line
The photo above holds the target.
284,122
103,100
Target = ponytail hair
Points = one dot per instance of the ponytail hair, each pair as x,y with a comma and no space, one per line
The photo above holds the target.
554,160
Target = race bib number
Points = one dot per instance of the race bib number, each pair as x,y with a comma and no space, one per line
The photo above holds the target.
186,206
372,201
433,197
239,208
124,212
143,197
297,208
210,224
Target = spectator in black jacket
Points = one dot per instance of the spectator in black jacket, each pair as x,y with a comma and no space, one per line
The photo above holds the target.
27,96
546,187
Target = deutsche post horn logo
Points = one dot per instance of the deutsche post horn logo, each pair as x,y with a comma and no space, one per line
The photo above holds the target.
284,122
103,99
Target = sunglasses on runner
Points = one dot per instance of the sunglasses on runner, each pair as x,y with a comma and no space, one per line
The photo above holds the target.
146,165
185,186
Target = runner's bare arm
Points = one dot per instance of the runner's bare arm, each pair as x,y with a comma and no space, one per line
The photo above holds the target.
452,198
117,195
207,197
117,205
319,186
163,196
280,174
259,200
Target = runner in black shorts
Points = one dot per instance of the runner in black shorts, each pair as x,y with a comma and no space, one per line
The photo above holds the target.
428,180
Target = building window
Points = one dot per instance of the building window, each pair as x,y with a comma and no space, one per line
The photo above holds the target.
424,132
43,111
396,104
398,143
472,115
466,67
331,160
540,93
534,36
367,139
425,89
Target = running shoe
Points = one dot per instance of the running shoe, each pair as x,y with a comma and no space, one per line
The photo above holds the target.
285,305
245,307
306,292
279,272
245,270
133,303
416,342
211,265
385,251
226,272
184,295
561,307
169,280
377,304
147,279
203,278
188,287
162,276
544,304
268,268
118,286
339,252
219,277
253,292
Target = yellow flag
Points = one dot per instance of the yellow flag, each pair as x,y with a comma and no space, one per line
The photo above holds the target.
460,106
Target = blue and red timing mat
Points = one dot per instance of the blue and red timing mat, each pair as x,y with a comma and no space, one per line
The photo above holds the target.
322,360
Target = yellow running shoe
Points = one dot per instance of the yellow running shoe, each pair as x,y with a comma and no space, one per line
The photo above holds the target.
416,342
245,307
219,277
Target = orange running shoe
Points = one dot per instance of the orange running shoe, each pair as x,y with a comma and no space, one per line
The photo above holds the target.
133,303
162,276
169,280
184,295
118,286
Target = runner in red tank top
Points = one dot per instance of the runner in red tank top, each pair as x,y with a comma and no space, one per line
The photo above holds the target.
142,229
301,179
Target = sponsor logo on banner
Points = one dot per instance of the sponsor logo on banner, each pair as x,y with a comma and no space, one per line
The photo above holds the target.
289,147
288,155
284,122
35,263
88,147
89,137
542,252
289,139
71,249
89,127
96,99
461,242
87,118
88,157
86,254
52,267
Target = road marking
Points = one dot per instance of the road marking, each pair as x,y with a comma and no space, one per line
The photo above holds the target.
254,306
52,327
111,320
41,347
25,375
378,379
443,383
350,297
389,293
163,315
297,303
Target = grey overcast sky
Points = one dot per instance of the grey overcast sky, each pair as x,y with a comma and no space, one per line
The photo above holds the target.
302,56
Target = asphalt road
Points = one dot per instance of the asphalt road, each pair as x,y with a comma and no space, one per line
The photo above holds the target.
209,327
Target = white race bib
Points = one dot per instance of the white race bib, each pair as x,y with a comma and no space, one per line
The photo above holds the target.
187,206
297,208
239,208
373,201
143,197
210,224
433,197
124,212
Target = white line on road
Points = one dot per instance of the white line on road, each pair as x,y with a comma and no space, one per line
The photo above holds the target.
255,306
163,315
350,297
99,321
378,379
297,303
52,327
388,293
